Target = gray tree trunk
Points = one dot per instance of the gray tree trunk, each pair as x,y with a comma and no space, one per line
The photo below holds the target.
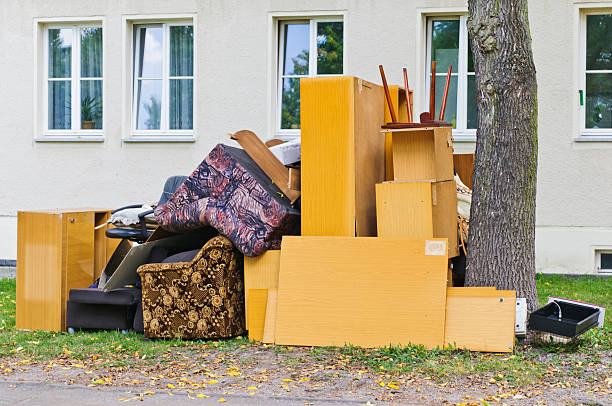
502,219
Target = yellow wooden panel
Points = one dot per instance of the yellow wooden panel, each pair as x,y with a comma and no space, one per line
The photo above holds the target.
480,320
423,154
342,155
404,209
260,273
444,197
39,280
257,309
270,323
368,292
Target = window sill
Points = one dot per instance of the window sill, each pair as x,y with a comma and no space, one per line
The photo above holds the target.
160,138
71,138
593,138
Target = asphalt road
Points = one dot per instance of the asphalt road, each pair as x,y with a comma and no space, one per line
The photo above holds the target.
41,394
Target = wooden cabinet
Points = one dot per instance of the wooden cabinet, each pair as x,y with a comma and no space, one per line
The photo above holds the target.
418,210
57,250
398,100
343,155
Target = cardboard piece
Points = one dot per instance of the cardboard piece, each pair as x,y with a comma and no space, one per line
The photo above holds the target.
365,291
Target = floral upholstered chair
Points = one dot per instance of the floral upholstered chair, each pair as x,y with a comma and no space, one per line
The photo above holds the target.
203,298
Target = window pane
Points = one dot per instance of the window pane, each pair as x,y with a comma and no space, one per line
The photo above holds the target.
450,113
598,100
290,109
445,44
472,114
181,104
181,50
59,105
150,57
60,53
329,47
599,42
149,104
296,51
91,104
91,52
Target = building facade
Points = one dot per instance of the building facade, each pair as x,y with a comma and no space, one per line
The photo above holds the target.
103,100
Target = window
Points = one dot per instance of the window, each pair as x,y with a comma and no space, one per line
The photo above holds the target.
73,79
603,260
448,44
596,102
163,79
307,48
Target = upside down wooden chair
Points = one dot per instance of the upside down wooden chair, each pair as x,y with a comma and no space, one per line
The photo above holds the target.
201,299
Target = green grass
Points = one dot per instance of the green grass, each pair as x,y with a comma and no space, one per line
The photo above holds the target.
522,367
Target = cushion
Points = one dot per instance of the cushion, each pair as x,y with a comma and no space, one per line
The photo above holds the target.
120,296
186,256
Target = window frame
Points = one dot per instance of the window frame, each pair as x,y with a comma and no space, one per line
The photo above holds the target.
313,20
588,134
75,132
164,130
461,132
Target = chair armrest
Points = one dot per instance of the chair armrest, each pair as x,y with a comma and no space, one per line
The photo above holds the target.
144,213
131,206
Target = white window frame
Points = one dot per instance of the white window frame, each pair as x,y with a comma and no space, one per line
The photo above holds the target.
130,134
461,132
588,134
312,62
41,88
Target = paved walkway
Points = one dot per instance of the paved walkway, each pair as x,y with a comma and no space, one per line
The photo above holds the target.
40,394
7,272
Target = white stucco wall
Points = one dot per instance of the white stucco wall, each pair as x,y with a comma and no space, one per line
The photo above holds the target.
233,82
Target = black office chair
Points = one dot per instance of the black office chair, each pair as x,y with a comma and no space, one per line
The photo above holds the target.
141,234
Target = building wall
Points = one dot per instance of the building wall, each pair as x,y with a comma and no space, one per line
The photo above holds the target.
233,89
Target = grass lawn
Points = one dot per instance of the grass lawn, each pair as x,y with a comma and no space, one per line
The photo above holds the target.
526,365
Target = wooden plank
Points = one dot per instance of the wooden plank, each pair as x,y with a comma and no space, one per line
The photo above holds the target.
257,309
342,155
464,165
480,319
444,196
369,292
295,179
423,154
404,209
270,323
39,277
257,150
260,273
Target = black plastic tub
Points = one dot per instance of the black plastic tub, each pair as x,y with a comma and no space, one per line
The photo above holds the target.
575,319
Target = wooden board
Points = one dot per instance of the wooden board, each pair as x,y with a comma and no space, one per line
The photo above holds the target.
464,165
480,319
265,159
270,323
418,210
369,292
257,309
423,154
398,100
342,155
260,273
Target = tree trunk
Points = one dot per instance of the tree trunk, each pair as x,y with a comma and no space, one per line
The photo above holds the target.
502,219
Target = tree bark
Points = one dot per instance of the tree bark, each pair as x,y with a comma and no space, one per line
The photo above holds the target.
502,219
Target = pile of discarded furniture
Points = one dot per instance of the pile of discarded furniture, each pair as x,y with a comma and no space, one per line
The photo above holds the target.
346,237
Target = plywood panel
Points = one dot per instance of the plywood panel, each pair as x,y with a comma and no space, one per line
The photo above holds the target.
342,155
464,165
423,154
39,281
480,319
369,154
444,196
364,291
260,273
404,209
270,323
257,309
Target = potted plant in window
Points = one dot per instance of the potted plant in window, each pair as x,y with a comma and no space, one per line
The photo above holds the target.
90,112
